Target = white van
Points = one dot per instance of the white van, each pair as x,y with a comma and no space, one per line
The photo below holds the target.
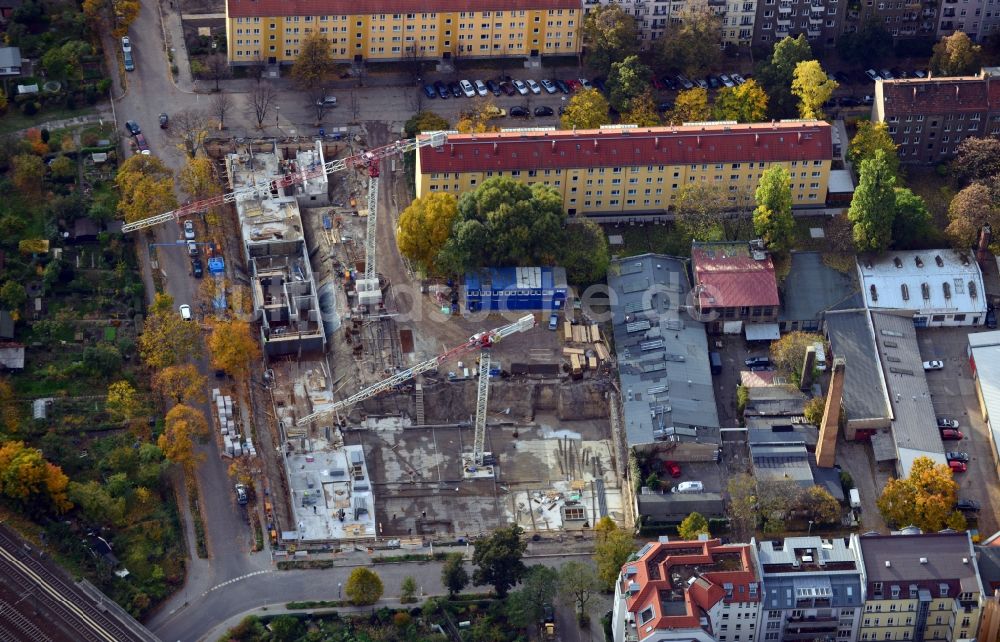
820,356
185,312
688,487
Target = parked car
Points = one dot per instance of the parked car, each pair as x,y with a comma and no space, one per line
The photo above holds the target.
886,74
586,84
897,72
189,230
544,111
750,362
574,84
563,87
185,311
944,422
197,270
533,86
481,88
666,105
969,505
467,88
455,89
842,78
142,145
553,322
991,318
507,88
519,112
549,86
672,468
442,89
193,248
683,81
132,127
669,82
241,495
164,120
598,84
701,82
326,101
520,87
850,101
919,73
727,81
868,100
956,455
688,487
430,91
947,434
657,84
934,365
958,466
738,79
872,75
128,61
493,86
126,44
492,111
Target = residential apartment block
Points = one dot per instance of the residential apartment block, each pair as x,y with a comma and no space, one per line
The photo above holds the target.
820,20
654,18
651,17
812,590
919,586
701,591
619,170
272,31
928,117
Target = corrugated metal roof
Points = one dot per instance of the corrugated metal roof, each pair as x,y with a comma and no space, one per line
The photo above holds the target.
626,147
729,276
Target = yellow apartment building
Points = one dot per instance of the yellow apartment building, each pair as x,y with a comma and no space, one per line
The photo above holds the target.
627,170
919,587
272,30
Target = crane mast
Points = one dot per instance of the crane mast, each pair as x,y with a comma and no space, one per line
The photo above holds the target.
482,341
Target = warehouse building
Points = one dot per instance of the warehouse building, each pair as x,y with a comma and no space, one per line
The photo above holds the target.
625,170
984,359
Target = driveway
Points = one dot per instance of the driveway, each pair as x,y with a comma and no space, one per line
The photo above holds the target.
953,392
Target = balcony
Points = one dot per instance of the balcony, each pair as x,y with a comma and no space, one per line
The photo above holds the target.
784,22
813,33
928,13
947,25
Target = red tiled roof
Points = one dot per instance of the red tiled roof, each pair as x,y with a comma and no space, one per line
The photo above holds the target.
727,276
929,96
504,151
654,578
243,8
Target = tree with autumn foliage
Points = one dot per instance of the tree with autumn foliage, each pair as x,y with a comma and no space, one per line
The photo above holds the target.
424,227
180,383
642,111
587,109
925,499
122,403
28,175
10,411
691,106
166,338
813,87
614,546
746,103
26,477
789,351
480,118
198,178
184,425
232,347
146,187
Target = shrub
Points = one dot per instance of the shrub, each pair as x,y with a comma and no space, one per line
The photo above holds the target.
29,108
401,619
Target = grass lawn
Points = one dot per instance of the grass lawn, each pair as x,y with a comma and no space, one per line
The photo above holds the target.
935,189
14,120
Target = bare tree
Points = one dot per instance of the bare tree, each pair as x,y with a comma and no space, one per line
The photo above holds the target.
217,68
188,129
261,102
256,67
355,108
220,104
412,62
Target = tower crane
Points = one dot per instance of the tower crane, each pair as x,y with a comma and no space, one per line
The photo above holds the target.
263,188
482,341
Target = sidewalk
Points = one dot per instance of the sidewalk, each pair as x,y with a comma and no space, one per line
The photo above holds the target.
61,124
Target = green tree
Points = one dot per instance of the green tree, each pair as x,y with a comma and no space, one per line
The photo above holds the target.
652,482
588,109
788,352
691,106
693,525
584,252
700,209
93,499
955,55
286,628
28,175
873,207
425,121
424,228
925,499
692,46
64,62
642,111
498,559
812,87
628,80
612,549
870,138
742,506
122,403
538,588
12,295
868,45
408,590
776,74
609,32
819,506
363,587
453,574
772,220
913,225
503,222
578,584
968,212
976,159
146,187
814,409
746,103
63,168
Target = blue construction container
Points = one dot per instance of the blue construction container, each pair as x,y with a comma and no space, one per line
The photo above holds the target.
527,288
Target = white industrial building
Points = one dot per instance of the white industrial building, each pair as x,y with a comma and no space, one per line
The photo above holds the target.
984,358
941,287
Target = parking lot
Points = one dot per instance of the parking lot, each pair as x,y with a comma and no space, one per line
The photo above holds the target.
954,395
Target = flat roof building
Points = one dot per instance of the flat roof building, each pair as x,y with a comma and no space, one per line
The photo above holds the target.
663,367
984,359
622,170
941,287
810,289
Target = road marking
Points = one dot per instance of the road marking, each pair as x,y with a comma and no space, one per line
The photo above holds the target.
236,579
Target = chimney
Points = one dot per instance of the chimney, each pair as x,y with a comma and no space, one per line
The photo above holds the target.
808,363
985,238
826,448
888,564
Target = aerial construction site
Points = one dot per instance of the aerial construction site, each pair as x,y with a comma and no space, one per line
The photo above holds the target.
398,408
